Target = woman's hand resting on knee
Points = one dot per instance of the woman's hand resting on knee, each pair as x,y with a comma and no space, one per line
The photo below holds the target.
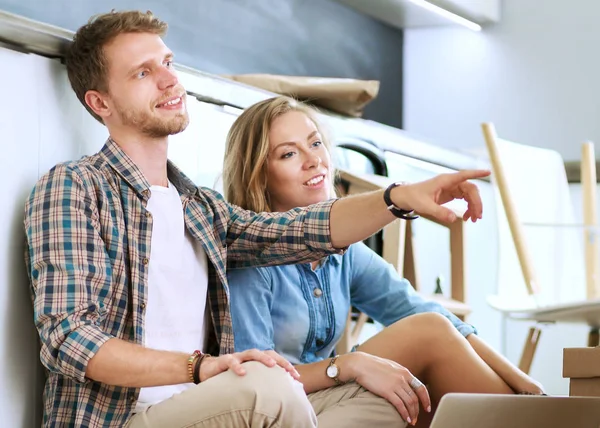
212,366
527,385
389,380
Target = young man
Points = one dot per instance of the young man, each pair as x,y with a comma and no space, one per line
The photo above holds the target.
127,257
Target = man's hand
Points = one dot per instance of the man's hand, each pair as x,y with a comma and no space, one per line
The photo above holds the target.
212,366
427,197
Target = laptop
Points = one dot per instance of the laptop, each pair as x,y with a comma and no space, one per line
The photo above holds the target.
516,411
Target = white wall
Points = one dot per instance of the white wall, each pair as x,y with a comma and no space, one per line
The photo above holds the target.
42,123
535,76
18,170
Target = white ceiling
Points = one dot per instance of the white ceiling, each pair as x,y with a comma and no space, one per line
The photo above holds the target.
397,13
406,14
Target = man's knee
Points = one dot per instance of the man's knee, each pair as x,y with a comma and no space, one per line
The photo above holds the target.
266,397
273,384
273,390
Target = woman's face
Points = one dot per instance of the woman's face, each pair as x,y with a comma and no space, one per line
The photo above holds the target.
298,165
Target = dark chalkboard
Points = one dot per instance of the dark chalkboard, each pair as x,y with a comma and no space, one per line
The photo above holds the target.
294,37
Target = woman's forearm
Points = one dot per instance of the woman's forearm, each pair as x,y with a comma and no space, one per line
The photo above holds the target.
314,378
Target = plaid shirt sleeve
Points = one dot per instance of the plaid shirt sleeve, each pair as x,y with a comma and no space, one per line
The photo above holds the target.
69,270
297,236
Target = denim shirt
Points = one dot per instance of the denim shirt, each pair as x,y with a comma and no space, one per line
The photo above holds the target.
301,313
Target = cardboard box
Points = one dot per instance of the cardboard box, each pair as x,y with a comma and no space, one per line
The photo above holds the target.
585,387
582,367
345,96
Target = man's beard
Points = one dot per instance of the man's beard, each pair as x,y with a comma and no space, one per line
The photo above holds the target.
154,127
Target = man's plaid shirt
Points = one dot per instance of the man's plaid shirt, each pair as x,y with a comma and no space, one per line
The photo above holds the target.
88,250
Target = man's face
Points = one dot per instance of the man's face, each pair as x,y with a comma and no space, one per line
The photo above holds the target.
144,94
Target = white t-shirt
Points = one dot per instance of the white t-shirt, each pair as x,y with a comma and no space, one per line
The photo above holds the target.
177,288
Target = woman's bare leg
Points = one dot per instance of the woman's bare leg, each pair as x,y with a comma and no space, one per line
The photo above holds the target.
435,352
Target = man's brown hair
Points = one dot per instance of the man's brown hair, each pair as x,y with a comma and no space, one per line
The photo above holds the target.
87,66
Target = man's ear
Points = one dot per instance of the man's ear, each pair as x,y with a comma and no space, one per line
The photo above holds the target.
97,102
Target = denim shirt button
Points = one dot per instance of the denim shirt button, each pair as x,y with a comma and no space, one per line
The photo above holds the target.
317,292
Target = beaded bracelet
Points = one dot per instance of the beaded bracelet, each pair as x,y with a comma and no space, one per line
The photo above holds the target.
190,363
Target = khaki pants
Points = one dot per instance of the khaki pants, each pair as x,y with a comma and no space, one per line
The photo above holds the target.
268,397
352,406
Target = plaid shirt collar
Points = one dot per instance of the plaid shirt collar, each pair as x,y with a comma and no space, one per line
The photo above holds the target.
122,164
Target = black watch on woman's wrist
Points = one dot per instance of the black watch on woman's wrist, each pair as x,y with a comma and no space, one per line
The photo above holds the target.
398,212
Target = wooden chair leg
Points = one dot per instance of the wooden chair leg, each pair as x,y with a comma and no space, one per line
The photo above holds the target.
360,322
410,266
351,334
529,349
593,337
343,346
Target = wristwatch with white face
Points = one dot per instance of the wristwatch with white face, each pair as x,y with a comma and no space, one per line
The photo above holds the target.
333,370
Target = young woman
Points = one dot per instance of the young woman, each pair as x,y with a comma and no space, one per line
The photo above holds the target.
277,158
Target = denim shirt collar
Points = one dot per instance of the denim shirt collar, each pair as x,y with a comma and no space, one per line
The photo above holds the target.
335,259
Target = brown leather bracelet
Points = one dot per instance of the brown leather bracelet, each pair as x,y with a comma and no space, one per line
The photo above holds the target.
190,363
201,357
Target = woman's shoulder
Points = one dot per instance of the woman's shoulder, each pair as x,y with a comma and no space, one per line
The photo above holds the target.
267,274
358,252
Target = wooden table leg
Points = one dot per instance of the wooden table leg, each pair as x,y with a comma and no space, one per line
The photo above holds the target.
593,337
457,262
529,349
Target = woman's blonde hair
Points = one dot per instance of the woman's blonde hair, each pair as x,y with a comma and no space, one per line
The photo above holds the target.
247,151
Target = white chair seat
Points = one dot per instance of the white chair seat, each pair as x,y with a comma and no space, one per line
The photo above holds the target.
581,312
548,261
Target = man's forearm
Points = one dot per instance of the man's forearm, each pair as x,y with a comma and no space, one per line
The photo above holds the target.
121,363
357,217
